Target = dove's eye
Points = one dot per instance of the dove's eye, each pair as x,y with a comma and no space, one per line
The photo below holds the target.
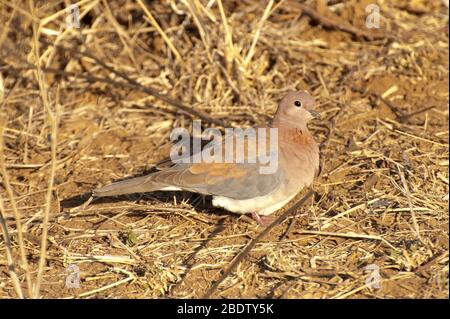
298,103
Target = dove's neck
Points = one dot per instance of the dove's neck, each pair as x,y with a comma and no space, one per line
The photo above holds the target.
289,125
298,142
297,134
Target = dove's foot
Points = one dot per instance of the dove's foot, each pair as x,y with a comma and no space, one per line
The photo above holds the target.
262,220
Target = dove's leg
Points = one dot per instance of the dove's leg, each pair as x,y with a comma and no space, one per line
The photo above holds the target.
262,220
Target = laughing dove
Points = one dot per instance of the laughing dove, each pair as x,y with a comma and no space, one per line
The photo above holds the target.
241,186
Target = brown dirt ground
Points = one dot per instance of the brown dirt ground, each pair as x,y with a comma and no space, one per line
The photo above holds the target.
175,245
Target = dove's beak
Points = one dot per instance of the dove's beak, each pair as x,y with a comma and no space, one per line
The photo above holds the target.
315,114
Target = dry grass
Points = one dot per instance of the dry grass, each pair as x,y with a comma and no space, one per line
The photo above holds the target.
82,107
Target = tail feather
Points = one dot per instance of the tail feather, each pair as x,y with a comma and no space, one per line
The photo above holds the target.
134,185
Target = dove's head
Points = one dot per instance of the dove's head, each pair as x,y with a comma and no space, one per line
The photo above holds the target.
296,109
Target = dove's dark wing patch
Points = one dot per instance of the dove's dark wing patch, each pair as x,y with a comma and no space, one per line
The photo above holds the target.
238,181
235,180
